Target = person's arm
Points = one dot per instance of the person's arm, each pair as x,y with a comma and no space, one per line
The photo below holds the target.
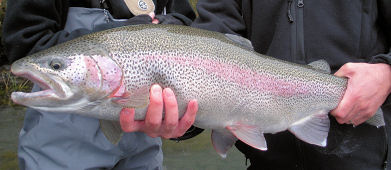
385,17
369,84
221,16
31,26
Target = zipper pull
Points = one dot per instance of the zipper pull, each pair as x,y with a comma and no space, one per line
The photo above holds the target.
289,14
300,3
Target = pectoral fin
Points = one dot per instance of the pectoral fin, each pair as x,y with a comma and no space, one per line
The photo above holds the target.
112,130
222,142
313,129
136,99
249,135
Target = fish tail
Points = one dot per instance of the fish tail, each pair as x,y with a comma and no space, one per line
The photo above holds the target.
377,119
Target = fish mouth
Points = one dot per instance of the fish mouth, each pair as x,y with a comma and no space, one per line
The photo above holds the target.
49,89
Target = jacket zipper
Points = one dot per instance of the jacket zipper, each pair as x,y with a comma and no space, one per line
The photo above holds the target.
300,53
300,3
295,18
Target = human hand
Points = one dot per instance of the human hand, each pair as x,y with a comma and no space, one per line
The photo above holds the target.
367,89
142,19
154,19
154,125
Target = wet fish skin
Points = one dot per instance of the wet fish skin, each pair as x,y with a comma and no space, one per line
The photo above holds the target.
241,94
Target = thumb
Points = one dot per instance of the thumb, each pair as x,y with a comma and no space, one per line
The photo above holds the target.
152,15
344,71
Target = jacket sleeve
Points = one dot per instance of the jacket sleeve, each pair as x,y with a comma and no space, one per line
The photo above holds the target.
221,16
31,26
385,24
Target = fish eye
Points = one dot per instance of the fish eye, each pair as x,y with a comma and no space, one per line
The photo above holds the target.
55,65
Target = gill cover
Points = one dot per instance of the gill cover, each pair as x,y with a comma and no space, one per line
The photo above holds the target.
103,72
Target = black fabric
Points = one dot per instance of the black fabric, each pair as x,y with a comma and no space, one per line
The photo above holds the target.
118,9
172,19
159,8
334,30
338,31
190,133
31,26
348,147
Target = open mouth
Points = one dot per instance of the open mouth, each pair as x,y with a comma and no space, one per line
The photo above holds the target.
49,88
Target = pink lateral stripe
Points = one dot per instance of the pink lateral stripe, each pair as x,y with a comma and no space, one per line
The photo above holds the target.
243,76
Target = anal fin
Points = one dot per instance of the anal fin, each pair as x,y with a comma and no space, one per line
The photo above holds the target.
249,135
112,130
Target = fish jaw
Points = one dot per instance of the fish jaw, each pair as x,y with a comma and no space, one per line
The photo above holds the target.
52,89
81,84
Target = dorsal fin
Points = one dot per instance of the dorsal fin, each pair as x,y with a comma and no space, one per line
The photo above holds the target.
321,65
243,42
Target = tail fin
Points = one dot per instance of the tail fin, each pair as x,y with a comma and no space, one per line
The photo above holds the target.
377,119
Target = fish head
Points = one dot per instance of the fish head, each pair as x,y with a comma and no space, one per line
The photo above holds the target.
69,80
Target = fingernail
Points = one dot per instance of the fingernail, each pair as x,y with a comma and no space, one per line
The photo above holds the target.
194,106
155,21
156,89
168,92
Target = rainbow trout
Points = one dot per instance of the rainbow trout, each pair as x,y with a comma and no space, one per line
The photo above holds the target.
241,94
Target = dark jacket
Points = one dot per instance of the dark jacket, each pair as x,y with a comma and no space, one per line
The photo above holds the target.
302,31
28,29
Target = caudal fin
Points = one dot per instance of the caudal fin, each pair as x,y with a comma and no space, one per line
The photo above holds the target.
377,119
